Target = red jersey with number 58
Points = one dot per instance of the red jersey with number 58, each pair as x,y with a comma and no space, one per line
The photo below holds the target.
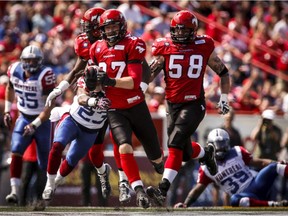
184,67
114,60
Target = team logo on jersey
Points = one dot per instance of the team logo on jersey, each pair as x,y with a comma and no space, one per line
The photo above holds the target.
167,44
85,44
140,49
98,50
133,99
200,41
119,47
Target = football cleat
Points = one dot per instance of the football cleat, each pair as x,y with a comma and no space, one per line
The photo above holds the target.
209,159
40,205
124,192
142,200
48,193
12,198
104,180
157,197
283,203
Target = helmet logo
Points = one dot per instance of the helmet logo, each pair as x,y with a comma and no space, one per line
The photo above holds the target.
195,21
94,18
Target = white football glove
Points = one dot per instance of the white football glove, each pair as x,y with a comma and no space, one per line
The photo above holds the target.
223,104
144,87
63,85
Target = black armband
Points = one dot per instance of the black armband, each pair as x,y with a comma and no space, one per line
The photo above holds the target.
223,72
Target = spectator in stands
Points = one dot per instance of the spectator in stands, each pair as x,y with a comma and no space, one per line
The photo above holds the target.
219,16
106,4
132,14
161,23
156,103
281,27
267,136
61,50
42,20
234,134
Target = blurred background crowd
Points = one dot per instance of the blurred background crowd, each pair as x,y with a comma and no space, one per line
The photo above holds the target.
250,37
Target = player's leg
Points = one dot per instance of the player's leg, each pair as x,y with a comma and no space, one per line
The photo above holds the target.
145,131
96,156
123,184
183,121
19,144
122,134
66,131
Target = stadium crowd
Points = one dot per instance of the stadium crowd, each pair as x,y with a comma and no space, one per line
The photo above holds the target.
55,24
254,33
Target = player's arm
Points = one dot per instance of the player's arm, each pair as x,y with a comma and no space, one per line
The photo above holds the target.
156,66
193,195
9,98
130,82
146,75
72,77
42,117
218,66
77,71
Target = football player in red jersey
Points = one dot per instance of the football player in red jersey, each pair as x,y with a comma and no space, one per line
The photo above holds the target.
91,33
120,55
184,58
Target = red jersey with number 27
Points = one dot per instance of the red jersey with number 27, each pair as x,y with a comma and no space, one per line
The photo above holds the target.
184,67
114,60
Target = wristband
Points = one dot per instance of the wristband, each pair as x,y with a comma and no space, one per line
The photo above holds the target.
224,97
91,102
37,122
8,106
63,85
144,86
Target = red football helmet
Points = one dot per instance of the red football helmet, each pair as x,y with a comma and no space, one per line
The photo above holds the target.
183,27
90,23
109,17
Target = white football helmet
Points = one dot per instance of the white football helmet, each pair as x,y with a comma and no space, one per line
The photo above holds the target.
221,141
31,58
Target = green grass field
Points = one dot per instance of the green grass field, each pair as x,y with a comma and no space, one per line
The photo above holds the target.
83,211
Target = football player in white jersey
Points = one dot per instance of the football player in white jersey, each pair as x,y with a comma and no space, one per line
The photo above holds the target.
80,127
246,187
30,82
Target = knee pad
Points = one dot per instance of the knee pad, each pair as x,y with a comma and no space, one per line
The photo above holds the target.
244,202
237,200
57,148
